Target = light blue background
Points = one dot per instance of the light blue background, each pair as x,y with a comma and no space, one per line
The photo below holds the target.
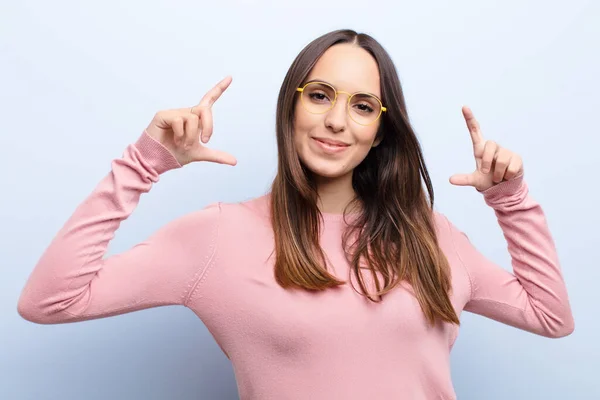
80,80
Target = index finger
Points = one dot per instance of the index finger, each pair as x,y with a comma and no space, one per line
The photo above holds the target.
213,95
473,125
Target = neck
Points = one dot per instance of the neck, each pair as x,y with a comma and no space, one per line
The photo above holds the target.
334,193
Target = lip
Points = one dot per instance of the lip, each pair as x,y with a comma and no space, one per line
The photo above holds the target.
332,142
330,146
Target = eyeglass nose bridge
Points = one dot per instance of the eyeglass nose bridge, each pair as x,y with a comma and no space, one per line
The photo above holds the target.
337,92
350,95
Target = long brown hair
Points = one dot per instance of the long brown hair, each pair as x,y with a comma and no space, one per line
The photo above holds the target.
393,234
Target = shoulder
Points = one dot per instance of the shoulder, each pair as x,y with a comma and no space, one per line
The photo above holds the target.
445,228
251,209
248,216
449,238
221,219
444,232
257,208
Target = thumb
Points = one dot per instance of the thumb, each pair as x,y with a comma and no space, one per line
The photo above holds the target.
212,155
462,180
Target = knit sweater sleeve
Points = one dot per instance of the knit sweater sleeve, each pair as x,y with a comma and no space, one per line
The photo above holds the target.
74,280
534,296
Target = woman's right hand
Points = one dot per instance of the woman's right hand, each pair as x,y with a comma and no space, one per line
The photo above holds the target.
179,130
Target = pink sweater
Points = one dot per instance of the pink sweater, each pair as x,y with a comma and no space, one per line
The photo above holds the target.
287,344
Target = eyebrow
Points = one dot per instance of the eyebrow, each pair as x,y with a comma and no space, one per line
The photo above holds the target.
324,81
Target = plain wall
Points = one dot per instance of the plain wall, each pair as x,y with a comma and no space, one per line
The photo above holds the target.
80,80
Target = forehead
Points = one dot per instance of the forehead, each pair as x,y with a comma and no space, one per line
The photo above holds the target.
348,67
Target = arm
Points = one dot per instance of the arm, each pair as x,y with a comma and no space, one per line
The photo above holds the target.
73,281
534,298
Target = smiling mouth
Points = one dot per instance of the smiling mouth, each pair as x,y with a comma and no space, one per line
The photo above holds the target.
330,148
331,144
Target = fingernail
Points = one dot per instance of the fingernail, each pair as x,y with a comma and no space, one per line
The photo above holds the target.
204,139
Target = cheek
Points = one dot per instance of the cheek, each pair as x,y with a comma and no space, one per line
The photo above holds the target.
364,141
305,120
304,124
365,136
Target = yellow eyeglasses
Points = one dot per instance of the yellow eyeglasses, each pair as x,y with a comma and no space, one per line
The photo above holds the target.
320,97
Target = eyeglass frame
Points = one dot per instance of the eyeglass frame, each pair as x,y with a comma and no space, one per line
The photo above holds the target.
350,95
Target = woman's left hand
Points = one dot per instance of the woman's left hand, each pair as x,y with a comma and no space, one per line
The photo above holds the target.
494,163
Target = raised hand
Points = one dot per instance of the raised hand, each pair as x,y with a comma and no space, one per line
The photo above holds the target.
494,164
179,129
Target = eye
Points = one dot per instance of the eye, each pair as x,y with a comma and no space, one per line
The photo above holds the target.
318,96
364,108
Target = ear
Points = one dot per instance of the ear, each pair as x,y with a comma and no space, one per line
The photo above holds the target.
377,141
378,136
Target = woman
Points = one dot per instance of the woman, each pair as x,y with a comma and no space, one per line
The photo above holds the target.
343,282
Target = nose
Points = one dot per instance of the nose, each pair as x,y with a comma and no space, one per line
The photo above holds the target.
335,119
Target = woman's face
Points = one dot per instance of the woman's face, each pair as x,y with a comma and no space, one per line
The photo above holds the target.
332,144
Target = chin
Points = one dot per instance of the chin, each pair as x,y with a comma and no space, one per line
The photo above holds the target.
327,169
